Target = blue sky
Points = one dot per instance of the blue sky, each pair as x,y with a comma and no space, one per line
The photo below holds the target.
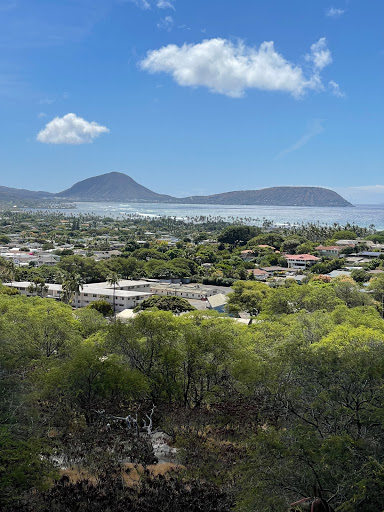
191,97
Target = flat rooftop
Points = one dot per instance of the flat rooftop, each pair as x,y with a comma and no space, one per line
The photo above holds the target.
120,284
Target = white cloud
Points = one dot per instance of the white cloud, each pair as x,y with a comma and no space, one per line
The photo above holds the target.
41,115
70,129
148,4
166,23
332,12
335,89
165,4
314,128
231,68
320,54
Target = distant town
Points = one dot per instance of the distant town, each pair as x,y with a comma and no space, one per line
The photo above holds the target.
196,261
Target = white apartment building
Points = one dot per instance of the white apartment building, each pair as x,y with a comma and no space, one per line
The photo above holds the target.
127,294
187,291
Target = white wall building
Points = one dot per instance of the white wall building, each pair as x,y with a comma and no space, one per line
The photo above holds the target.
301,261
128,294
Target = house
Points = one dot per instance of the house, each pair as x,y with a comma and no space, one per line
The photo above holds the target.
247,255
301,261
258,273
370,254
330,251
217,302
275,270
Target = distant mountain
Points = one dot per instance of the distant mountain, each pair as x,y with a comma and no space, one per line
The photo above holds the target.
116,186
274,196
113,186
14,194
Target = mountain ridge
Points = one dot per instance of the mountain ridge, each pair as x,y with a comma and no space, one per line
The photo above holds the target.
275,196
113,186
119,187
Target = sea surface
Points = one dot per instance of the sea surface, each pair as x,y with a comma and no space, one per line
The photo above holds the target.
361,215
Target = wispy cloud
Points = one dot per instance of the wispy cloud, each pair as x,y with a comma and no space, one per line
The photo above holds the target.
149,4
231,68
165,4
142,4
335,89
314,128
70,129
166,23
332,12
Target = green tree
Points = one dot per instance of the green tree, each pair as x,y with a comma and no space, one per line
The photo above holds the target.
360,276
91,320
344,234
92,377
248,296
102,306
166,303
376,286
238,235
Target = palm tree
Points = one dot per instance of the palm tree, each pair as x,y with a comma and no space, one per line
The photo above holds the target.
7,270
113,279
38,286
71,285
76,285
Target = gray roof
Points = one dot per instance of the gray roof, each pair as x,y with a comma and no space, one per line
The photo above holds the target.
337,273
218,300
121,283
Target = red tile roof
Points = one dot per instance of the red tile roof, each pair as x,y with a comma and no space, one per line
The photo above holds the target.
257,272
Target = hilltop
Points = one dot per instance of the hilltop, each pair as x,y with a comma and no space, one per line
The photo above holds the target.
117,186
274,196
113,186
17,194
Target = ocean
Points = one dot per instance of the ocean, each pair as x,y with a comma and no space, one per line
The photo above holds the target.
361,215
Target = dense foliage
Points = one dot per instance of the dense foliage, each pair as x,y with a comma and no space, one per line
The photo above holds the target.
261,414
